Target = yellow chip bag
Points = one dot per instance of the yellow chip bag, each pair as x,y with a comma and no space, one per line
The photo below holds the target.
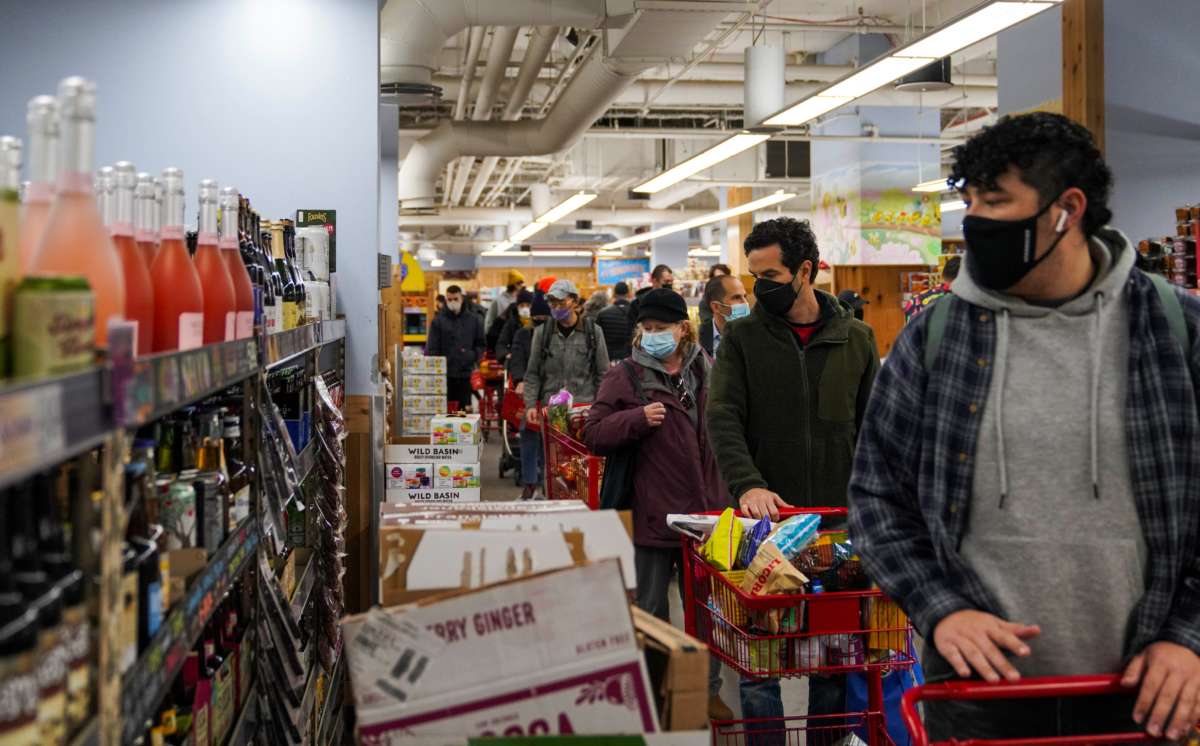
721,547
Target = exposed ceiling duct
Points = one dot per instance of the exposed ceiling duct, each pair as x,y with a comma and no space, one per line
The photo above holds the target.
654,35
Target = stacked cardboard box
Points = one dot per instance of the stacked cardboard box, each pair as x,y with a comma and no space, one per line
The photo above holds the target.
422,391
432,473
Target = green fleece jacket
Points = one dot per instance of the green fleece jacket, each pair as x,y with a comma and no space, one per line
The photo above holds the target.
785,416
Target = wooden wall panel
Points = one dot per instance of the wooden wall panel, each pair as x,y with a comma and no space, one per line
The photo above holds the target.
881,286
1083,64
359,504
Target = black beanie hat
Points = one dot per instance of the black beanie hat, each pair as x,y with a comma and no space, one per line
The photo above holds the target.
524,296
662,305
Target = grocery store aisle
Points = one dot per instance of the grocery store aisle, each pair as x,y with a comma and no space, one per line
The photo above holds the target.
492,487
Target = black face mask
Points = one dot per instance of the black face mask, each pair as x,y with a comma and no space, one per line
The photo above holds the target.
776,297
992,245
668,286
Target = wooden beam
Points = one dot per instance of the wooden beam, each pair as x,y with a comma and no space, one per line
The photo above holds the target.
739,228
1083,64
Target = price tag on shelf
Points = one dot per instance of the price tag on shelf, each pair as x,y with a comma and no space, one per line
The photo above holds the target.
31,425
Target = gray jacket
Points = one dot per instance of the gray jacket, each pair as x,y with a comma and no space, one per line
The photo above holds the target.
576,362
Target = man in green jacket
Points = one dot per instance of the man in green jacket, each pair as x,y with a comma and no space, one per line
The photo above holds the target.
789,390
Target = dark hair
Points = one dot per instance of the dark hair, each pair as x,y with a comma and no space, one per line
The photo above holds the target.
620,289
659,271
950,271
510,287
453,289
712,271
714,290
795,238
1051,153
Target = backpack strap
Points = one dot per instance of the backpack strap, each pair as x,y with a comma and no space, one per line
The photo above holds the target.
939,314
1173,309
635,378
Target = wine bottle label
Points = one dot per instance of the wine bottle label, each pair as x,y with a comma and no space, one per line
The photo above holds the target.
243,324
291,314
18,701
77,638
52,687
191,330
54,331
230,326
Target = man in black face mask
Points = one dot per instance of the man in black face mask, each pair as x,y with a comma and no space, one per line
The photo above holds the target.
789,390
1027,477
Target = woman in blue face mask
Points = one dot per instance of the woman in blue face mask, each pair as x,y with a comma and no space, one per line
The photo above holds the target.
648,419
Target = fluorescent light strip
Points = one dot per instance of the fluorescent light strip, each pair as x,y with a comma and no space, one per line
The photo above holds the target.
981,24
953,205
565,208
712,217
875,75
723,150
933,185
809,108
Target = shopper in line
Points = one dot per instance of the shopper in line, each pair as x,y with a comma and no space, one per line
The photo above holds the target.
726,300
617,324
656,399
789,391
532,457
660,277
705,313
1026,484
568,353
519,314
595,304
853,300
921,301
495,311
457,335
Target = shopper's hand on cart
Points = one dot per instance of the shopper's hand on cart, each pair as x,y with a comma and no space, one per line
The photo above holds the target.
977,640
531,416
759,502
1169,675
656,412
520,389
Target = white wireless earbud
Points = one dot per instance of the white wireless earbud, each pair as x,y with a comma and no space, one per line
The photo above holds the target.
1062,221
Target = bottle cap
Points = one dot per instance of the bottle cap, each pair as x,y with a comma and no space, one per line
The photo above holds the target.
41,115
125,175
77,99
10,162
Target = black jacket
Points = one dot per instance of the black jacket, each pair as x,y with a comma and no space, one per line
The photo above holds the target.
522,340
706,335
458,338
511,323
616,322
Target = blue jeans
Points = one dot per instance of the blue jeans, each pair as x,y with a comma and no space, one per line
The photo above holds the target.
532,459
761,699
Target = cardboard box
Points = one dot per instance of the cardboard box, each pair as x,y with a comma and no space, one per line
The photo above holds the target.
416,424
678,666
426,454
468,495
456,476
551,653
409,476
602,531
455,430
423,403
466,513
423,366
413,384
678,738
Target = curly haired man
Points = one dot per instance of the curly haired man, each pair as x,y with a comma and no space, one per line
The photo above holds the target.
1027,482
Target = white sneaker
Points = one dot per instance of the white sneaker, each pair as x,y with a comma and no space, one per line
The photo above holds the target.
538,494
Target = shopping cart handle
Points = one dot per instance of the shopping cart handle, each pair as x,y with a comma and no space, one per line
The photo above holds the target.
1049,686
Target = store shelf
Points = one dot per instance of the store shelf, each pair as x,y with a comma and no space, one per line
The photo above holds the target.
150,677
246,727
47,422
283,347
333,698
304,588
147,388
306,460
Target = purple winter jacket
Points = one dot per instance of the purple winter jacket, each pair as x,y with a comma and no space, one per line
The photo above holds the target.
676,471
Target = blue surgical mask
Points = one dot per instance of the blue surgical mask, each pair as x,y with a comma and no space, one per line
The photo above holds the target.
659,345
737,311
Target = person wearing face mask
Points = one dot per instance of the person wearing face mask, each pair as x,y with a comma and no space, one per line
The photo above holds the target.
457,335
567,352
617,324
656,399
1027,484
725,299
516,316
705,312
495,311
532,458
790,387
661,277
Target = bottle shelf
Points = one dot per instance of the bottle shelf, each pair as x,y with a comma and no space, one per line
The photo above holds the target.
148,388
248,721
304,588
43,423
282,347
146,683
331,709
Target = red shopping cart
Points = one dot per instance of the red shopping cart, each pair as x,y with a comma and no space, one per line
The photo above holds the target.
487,383
1033,688
851,628
572,471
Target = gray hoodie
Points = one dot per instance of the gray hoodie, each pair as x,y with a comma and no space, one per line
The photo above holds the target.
1053,529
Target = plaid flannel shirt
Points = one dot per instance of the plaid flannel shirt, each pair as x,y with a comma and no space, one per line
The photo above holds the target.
910,492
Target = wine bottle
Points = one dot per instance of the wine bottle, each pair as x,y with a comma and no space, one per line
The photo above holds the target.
144,218
243,325
139,291
178,298
75,241
220,302
42,120
10,259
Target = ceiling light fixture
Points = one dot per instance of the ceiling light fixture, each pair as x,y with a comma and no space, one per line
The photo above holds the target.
712,217
953,205
543,221
436,262
969,29
706,159
933,185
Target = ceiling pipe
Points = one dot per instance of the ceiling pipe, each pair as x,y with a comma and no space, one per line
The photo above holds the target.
413,32
499,52
541,41
474,47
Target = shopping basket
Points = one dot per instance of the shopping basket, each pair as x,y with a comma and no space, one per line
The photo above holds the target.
1032,688
800,730
572,471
